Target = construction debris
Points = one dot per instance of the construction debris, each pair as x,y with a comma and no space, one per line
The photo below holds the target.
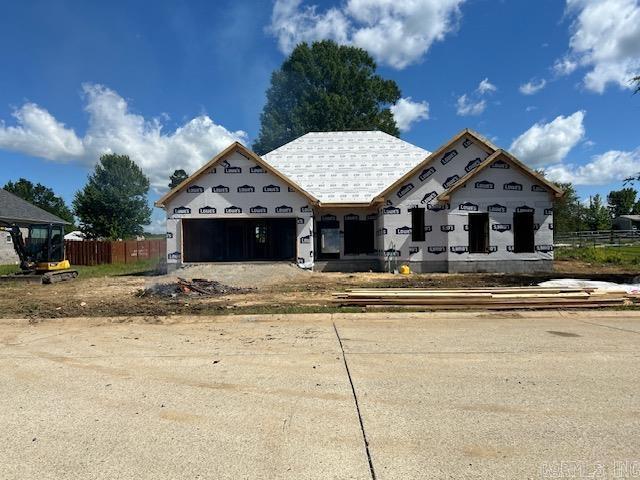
194,287
488,298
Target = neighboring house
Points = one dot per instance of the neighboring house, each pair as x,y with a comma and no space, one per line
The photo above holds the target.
365,201
76,236
626,222
16,211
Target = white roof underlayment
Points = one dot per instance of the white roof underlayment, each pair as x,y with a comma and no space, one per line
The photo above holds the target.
345,167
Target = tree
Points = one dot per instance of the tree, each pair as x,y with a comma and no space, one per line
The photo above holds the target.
113,204
325,87
597,215
568,211
636,80
43,197
621,202
177,177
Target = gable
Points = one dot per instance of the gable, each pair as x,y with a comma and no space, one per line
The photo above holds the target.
222,162
467,146
236,185
444,169
503,172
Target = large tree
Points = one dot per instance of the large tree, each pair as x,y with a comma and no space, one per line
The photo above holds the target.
597,216
43,197
568,211
621,202
177,177
325,87
114,204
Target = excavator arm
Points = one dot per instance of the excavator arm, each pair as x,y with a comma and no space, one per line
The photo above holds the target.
19,244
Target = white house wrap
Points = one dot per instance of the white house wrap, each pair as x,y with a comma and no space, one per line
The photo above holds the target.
354,201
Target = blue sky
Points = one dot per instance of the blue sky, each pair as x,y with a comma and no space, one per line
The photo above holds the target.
172,83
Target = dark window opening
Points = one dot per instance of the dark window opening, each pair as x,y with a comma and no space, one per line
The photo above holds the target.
478,232
359,236
328,239
417,224
523,232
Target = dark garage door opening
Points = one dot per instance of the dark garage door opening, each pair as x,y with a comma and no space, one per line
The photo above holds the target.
235,240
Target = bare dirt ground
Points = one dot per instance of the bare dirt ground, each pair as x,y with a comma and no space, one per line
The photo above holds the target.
274,288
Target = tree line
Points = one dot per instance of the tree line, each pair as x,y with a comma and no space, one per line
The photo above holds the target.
573,215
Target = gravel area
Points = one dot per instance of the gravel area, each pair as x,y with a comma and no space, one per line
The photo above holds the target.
243,275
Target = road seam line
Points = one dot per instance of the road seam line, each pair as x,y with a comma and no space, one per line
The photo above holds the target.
608,326
355,399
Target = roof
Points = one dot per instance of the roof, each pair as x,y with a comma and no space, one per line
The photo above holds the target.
234,147
444,196
633,218
346,167
14,209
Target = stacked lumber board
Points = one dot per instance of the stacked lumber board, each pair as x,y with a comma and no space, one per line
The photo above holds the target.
486,298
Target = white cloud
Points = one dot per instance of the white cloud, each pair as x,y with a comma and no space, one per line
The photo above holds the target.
473,103
406,111
549,143
396,33
532,87
466,107
609,167
531,108
486,87
564,66
605,37
39,134
113,128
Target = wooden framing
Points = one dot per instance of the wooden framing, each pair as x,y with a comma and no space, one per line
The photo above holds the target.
244,151
501,154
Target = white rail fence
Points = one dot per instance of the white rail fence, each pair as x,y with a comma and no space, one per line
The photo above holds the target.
609,238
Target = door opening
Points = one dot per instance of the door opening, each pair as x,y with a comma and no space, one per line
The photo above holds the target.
523,232
478,232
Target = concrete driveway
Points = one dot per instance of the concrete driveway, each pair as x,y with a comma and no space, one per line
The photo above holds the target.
360,396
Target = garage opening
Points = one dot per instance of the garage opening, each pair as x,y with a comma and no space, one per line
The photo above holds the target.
236,240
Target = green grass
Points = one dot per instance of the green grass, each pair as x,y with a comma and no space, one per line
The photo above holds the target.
623,255
107,270
9,269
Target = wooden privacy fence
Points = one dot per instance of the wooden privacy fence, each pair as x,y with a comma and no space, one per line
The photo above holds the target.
97,252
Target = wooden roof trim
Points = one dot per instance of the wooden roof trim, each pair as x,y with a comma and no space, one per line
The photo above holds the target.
483,142
235,146
446,195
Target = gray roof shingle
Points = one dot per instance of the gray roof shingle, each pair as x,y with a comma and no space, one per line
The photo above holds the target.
14,209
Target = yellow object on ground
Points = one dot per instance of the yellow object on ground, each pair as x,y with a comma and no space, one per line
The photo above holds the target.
405,270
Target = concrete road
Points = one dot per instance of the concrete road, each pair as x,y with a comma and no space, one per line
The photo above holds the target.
361,396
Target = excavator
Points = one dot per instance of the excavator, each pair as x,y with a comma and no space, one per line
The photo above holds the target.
41,254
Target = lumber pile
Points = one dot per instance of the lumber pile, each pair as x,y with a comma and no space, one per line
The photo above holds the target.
486,298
